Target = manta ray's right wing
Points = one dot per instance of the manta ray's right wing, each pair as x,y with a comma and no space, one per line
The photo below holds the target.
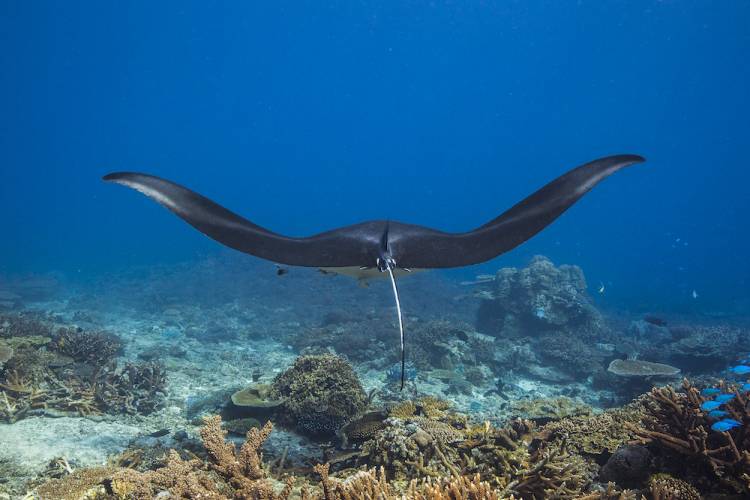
422,247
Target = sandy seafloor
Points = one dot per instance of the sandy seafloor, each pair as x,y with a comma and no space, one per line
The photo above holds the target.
221,324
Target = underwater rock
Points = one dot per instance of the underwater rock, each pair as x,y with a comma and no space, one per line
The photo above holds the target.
359,340
198,405
702,349
540,297
629,466
321,394
638,368
570,355
650,332
240,426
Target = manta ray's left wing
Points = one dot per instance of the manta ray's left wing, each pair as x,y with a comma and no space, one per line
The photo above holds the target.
348,246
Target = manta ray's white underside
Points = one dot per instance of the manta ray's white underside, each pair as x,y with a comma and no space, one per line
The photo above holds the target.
363,276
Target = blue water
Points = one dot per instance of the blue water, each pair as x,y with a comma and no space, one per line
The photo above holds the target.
304,116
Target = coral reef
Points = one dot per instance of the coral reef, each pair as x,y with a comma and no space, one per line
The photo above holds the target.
95,348
676,425
544,410
71,372
666,487
136,388
598,434
320,394
540,297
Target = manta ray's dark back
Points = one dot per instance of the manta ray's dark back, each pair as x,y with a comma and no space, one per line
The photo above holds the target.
409,246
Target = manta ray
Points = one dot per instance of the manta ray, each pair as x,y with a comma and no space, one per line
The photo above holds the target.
381,247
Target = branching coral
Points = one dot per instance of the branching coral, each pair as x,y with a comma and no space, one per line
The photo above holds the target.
675,423
23,325
136,388
229,474
95,348
595,434
666,487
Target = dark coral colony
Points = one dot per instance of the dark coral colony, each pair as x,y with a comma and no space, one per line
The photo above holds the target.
534,393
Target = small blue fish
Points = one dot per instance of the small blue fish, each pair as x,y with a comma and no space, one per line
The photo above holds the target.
724,398
710,391
745,387
710,405
725,425
740,369
718,413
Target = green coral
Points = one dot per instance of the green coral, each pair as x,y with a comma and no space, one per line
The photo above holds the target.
321,393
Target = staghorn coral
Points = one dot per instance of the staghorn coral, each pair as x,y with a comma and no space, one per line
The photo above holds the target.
546,409
674,423
25,324
95,348
136,388
666,487
181,478
595,434
506,460
320,393
80,484
231,473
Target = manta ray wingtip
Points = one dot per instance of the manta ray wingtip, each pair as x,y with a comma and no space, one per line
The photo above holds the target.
117,176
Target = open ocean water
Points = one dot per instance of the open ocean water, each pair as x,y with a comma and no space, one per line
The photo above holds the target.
604,354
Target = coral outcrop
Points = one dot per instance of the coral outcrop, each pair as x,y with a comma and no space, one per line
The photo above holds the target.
321,393
540,297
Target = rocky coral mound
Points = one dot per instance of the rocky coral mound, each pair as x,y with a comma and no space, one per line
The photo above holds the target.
321,393
537,298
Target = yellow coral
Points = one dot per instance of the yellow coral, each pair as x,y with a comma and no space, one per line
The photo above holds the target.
433,407
595,434
404,409
83,483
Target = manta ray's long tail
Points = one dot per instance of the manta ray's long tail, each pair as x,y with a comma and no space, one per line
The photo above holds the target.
400,325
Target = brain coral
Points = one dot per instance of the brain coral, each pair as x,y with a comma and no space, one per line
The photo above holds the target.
321,393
